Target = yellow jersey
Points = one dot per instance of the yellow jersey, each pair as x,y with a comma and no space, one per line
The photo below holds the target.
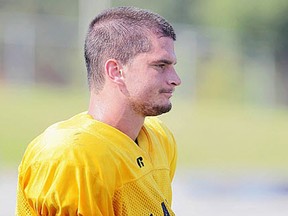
85,167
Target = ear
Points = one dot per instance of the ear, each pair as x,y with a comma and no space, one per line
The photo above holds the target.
113,71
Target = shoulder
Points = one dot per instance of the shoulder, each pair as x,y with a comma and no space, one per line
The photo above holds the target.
68,142
65,151
156,126
163,143
160,133
155,123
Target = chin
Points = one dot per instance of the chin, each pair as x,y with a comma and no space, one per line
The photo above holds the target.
147,108
158,110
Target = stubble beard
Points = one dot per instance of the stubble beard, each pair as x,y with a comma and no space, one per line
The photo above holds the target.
149,109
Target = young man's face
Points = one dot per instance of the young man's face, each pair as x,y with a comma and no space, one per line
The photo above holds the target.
151,78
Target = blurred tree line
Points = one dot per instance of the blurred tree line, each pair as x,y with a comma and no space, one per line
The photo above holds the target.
258,27
260,24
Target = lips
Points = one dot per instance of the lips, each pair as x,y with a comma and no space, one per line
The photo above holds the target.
168,92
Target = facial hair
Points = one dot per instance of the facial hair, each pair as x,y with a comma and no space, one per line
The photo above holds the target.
146,108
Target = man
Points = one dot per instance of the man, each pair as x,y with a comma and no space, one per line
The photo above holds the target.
115,159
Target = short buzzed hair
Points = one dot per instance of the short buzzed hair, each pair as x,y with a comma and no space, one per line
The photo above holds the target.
120,33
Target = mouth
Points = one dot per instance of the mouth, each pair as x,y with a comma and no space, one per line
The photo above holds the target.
167,92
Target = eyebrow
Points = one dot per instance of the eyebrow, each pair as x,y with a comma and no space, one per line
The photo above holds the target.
165,61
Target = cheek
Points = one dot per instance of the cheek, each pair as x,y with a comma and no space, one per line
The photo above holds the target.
139,85
142,86
144,92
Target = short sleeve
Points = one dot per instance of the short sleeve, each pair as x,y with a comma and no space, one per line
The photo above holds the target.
59,188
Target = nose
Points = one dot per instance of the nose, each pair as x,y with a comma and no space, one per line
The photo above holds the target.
174,79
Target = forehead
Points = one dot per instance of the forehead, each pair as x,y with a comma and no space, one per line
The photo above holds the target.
162,48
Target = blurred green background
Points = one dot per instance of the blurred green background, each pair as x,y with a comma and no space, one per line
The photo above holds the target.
210,134
229,116
231,111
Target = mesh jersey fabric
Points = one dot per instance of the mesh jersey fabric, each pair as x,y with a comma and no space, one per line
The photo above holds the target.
85,167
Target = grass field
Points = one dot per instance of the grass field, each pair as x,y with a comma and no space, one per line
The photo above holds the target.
26,112
225,135
210,134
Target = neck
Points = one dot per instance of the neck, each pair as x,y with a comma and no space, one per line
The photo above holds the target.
115,114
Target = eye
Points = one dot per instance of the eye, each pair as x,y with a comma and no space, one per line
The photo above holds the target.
162,66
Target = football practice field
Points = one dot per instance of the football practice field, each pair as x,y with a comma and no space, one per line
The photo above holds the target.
232,157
